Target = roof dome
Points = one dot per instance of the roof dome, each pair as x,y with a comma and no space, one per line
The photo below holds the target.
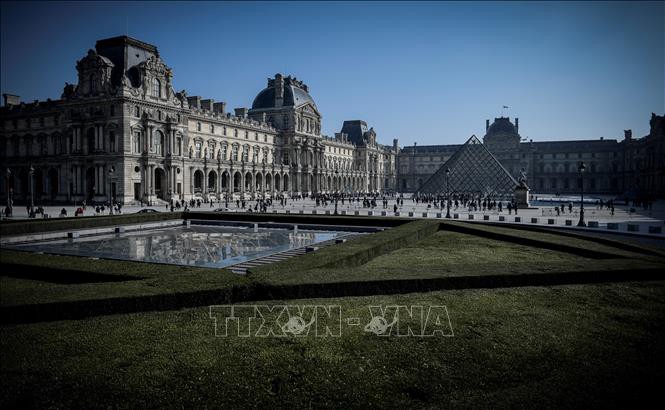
283,92
502,125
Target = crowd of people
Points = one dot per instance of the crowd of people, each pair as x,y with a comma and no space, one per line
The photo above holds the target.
467,201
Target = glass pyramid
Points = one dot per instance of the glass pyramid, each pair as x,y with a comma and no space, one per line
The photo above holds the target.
473,170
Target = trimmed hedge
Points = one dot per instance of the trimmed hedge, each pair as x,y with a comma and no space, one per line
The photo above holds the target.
536,243
297,218
590,236
413,285
260,292
355,252
79,309
81,222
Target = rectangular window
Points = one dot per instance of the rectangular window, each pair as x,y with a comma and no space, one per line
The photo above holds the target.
197,149
112,141
137,142
234,152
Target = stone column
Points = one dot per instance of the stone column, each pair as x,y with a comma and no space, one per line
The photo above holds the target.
191,181
152,180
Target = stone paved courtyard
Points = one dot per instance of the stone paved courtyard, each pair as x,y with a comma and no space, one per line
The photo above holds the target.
641,221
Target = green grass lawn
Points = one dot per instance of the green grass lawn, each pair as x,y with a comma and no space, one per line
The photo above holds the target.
448,254
454,254
143,279
559,346
564,346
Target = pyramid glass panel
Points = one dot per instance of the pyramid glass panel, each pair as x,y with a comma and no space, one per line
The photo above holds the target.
473,170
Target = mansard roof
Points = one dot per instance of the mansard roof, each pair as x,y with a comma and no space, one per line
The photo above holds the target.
502,125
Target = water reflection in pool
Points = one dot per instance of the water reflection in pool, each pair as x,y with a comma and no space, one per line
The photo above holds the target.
210,246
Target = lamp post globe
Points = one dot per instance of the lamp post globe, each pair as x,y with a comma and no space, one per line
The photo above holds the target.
448,193
581,170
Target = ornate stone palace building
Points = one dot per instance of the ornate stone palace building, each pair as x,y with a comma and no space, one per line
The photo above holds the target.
632,167
123,132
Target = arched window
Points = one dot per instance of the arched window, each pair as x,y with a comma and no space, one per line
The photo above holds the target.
156,88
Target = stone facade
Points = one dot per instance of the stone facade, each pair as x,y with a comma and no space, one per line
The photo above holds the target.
124,132
631,167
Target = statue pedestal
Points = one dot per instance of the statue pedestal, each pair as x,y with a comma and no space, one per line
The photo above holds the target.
522,197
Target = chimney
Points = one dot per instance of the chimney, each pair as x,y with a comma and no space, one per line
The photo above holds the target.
207,104
628,134
11,99
517,125
194,102
219,107
395,145
487,126
241,112
279,90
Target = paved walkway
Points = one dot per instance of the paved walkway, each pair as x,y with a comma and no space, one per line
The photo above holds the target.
645,222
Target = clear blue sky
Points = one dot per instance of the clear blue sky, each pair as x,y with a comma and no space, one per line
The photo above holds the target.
429,72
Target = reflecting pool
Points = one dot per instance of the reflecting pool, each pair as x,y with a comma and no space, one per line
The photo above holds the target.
198,245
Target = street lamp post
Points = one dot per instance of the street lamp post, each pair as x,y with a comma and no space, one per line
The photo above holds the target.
581,169
448,193
9,192
336,195
111,172
32,194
